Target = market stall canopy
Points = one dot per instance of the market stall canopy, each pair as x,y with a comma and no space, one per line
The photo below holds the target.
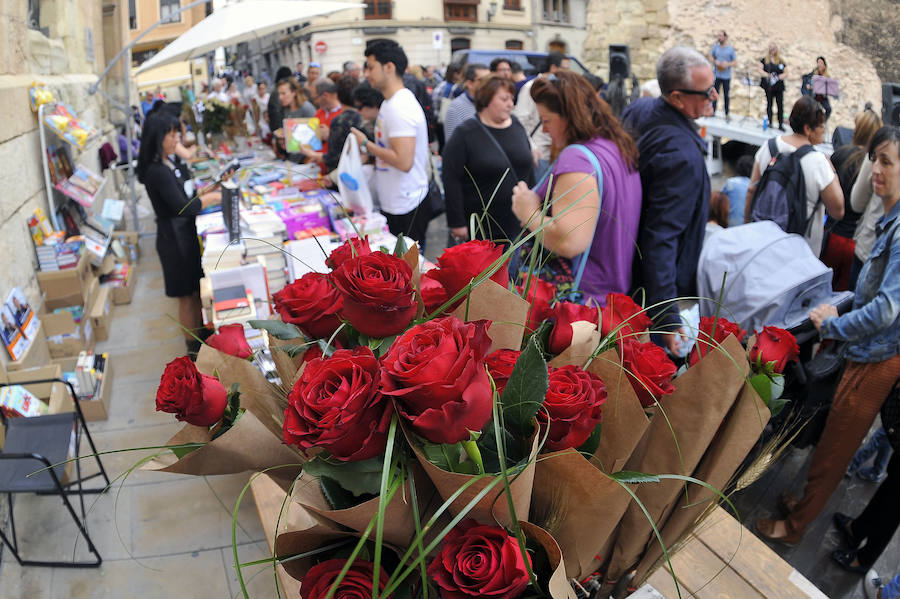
241,21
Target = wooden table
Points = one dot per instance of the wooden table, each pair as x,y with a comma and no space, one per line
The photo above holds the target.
723,559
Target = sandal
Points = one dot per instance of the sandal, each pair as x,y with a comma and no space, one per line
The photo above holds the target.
766,529
787,503
842,522
845,561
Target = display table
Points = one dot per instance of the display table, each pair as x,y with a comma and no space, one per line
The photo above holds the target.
723,559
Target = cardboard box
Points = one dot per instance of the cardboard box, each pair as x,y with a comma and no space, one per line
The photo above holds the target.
70,283
100,313
55,395
128,238
37,353
82,334
96,408
120,294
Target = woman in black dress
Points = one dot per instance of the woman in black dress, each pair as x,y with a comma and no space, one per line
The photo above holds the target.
772,81
475,158
168,184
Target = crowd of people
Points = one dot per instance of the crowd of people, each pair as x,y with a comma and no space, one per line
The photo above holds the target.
622,204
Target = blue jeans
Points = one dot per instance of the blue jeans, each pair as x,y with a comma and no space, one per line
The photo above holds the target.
879,446
892,589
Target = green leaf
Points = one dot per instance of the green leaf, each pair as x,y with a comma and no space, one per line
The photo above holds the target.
593,442
180,452
762,385
291,350
446,456
338,497
525,391
278,329
360,478
400,249
327,350
776,405
631,477
777,386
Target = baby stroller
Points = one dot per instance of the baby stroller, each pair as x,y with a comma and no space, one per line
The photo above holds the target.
772,278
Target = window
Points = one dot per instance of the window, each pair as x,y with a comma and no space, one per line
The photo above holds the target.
460,43
461,10
168,11
132,14
514,45
512,5
378,9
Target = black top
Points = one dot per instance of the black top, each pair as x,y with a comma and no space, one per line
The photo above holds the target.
337,135
470,154
847,174
772,69
165,186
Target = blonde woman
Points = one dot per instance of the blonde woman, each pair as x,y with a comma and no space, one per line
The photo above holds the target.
772,71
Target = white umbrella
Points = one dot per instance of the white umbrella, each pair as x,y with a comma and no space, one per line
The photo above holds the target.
241,21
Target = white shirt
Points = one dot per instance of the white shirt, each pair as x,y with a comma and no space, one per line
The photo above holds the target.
526,112
401,116
817,175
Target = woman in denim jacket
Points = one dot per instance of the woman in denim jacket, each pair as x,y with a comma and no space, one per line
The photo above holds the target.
872,329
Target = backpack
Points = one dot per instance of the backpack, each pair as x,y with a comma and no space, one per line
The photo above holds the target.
780,195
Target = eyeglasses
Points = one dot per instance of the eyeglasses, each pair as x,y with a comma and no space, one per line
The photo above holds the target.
696,92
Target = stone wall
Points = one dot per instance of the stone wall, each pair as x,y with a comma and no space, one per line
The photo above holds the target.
68,63
803,29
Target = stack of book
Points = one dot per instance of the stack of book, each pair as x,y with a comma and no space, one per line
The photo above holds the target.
16,401
263,234
89,370
218,254
232,304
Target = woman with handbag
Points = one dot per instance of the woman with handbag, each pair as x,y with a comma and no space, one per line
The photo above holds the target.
479,182
872,335
593,190
772,71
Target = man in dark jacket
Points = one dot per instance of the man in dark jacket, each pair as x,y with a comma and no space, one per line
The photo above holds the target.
675,183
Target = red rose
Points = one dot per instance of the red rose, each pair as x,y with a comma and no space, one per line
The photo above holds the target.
500,364
336,406
775,345
193,397
622,310
479,561
540,294
312,352
379,300
351,248
436,372
723,329
356,584
564,314
433,293
459,264
312,303
648,368
571,407
231,340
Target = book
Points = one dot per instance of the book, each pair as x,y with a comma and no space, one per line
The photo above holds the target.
230,298
16,401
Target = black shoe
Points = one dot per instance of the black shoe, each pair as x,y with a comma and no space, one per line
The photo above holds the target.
781,127
843,522
845,561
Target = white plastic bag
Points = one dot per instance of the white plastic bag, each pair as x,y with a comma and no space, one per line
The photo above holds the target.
352,181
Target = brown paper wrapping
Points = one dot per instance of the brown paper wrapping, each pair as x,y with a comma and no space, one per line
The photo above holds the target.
579,505
624,421
399,525
735,439
507,312
288,367
585,339
247,445
691,416
558,585
258,395
493,508
311,534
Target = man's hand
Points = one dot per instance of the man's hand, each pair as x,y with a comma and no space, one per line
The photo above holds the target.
819,314
524,202
460,234
674,340
359,135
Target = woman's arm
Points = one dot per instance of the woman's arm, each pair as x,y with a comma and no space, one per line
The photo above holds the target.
833,198
575,206
862,188
751,189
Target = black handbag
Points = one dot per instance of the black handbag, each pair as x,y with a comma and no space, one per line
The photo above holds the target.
890,416
827,362
434,199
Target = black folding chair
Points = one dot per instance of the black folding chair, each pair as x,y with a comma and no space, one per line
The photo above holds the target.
33,461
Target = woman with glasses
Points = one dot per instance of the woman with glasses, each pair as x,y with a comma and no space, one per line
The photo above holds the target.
808,125
596,213
772,71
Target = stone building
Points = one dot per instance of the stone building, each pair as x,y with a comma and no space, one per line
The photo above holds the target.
430,31
64,44
847,35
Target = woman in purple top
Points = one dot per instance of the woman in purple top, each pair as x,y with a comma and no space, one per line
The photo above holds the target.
572,113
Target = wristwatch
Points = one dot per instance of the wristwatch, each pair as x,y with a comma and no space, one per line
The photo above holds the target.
363,145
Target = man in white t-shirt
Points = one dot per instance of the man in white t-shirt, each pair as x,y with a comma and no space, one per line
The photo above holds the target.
401,144
808,125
